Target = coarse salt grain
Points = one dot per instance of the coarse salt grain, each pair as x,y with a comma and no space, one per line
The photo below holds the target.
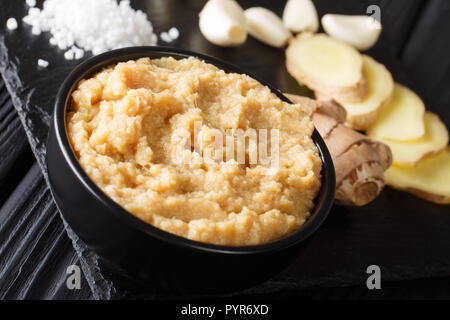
79,53
174,33
95,26
74,53
30,3
11,24
165,37
170,35
42,63
69,55
36,30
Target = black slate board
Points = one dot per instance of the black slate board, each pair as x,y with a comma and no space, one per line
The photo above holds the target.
405,236
31,269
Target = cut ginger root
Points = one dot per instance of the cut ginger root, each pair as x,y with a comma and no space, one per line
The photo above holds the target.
328,66
409,153
359,161
429,179
402,118
362,115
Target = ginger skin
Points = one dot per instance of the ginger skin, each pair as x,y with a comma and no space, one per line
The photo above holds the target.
358,160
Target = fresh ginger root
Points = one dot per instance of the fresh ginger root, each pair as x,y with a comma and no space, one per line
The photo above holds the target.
359,162
409,153
361,115
328,66
406,111
335,70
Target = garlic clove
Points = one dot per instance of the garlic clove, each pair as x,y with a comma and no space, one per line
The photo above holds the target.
222,22
266,26
300,15
360,31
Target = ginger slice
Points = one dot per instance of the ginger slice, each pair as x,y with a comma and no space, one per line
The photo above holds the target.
402,119
361,115
409,153
429,179
327,65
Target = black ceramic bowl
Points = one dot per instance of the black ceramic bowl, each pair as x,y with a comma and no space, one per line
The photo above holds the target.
164,261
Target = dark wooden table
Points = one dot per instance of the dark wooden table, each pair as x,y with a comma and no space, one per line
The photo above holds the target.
409,238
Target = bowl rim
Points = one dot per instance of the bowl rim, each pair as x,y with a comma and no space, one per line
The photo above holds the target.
95,64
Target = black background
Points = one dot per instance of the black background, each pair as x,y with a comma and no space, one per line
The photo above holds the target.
407,237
